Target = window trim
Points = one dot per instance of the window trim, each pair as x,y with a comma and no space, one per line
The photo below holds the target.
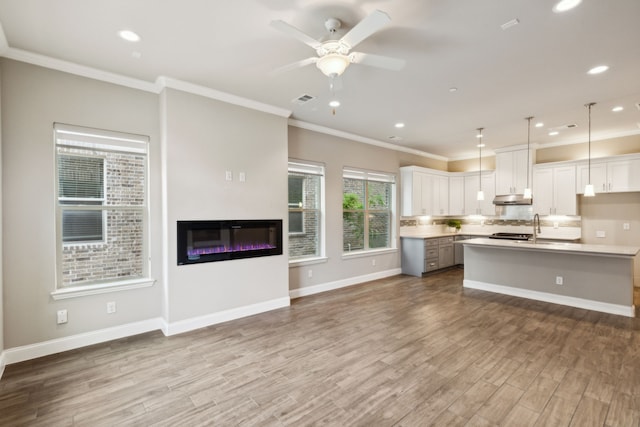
376,176
65,135
311,168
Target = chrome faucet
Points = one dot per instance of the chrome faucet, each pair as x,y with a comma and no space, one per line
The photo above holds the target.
536,230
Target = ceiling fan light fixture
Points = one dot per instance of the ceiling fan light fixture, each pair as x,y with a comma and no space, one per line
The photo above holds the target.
565,5
333,64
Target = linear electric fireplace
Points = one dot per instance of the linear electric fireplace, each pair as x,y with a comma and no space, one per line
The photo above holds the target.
209,241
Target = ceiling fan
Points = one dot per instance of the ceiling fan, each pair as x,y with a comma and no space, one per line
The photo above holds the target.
334,56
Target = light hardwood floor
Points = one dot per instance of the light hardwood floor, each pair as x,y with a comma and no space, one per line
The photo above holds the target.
402,351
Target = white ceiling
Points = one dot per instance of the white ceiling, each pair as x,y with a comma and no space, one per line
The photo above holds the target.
536,68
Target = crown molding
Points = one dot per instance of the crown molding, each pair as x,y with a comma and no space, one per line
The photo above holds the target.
4,44
163,82
357,138
79,70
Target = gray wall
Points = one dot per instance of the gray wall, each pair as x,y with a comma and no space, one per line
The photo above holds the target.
205,138
337,153
33,98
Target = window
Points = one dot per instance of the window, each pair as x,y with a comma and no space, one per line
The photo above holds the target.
367,210
306,202
101,207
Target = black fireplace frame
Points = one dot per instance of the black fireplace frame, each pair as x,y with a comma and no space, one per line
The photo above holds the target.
234,226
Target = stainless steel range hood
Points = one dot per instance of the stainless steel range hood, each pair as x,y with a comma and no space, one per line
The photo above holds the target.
511,200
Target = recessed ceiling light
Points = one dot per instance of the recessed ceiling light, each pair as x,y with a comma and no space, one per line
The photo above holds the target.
564,5
618,108
599,69
334,104
453,89
129,36
553,133
480,145
539,124
399,125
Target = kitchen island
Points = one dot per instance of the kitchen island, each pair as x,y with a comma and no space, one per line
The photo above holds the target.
594,277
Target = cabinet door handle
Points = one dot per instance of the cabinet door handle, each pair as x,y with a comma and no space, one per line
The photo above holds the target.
604,188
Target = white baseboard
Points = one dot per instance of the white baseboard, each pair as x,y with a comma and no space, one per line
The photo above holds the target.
187,325
32,351
329,286
622,310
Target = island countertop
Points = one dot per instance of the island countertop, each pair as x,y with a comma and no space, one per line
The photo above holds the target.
576,248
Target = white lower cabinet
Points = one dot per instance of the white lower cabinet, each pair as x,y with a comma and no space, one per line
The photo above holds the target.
554,190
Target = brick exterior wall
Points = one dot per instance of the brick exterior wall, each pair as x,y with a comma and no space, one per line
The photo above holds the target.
121,255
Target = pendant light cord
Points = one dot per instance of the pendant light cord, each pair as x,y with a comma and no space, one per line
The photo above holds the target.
528,145
589,105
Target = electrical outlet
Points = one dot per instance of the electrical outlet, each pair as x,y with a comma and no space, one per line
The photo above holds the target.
625,226
601,233
556,225
228,175
310,274
373,262
242,177
559,280
62,317
111,307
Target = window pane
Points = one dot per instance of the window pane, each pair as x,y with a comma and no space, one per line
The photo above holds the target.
379,230
81,226
379,195
295,190
80,177
295,222
353,194
353,231
306,244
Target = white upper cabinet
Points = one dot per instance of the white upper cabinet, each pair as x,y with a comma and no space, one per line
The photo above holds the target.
456,195
610,176
554,190
511,171
424,192
472,206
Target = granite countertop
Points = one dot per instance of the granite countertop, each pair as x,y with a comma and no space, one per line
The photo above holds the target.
607,250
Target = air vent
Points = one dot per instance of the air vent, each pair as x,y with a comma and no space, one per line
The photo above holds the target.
564,127
303,99
395,138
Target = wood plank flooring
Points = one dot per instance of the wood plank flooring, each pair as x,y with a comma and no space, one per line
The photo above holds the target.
402,351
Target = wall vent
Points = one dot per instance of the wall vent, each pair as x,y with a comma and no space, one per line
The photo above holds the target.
302,99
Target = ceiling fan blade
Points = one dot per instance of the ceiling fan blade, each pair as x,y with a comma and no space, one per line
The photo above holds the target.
295,65
369,25
379,61
295,33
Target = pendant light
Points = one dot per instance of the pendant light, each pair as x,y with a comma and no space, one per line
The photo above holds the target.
588,189
480,145
527,190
